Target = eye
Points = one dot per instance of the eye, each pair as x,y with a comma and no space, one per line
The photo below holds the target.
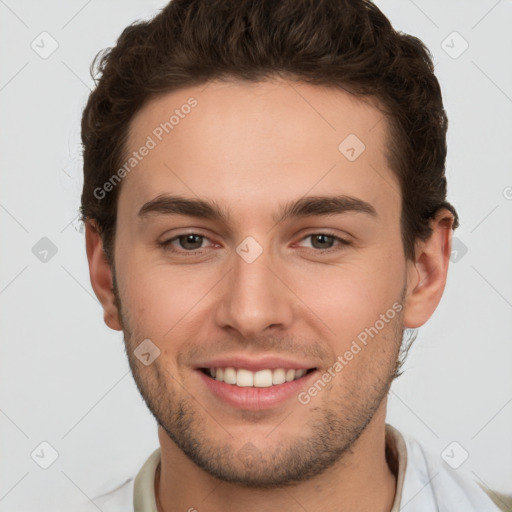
188,242
325,241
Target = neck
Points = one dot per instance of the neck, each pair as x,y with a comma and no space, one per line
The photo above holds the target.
362,480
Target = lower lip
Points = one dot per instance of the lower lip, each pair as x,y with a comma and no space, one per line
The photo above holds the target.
255,399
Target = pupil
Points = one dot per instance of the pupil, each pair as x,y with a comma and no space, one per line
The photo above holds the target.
323,239
191,241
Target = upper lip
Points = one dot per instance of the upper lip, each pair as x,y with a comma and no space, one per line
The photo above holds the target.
255,364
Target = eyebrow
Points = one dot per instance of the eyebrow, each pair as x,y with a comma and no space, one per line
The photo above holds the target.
308,206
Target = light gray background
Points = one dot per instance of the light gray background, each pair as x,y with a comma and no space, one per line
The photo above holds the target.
64,375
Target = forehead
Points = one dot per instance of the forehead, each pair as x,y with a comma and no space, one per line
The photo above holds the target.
255,143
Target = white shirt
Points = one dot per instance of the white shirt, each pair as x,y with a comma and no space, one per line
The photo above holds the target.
424,484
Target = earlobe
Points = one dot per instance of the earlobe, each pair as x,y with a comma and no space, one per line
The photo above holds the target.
101,275
426,275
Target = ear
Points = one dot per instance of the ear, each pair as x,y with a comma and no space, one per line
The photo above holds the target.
426,274
101,275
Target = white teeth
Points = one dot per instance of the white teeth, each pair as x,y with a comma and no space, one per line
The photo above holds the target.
260,379
278,376
230,376
244,378
290,375
263,379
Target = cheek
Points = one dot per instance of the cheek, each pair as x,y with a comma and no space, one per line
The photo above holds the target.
159,297
350,297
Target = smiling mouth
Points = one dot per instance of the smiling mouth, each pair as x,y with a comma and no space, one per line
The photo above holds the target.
260,379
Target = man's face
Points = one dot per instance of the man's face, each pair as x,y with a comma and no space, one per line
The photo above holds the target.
256,292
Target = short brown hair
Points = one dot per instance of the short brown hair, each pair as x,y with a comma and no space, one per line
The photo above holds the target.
346,44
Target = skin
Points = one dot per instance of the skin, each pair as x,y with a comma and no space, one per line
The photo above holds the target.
251,148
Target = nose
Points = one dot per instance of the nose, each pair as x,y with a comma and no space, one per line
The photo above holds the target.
254,299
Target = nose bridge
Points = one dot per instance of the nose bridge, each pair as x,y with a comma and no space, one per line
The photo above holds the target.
253,299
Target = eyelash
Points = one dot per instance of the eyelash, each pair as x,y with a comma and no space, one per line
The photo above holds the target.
167,245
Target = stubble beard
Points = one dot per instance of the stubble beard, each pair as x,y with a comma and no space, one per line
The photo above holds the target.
332,429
